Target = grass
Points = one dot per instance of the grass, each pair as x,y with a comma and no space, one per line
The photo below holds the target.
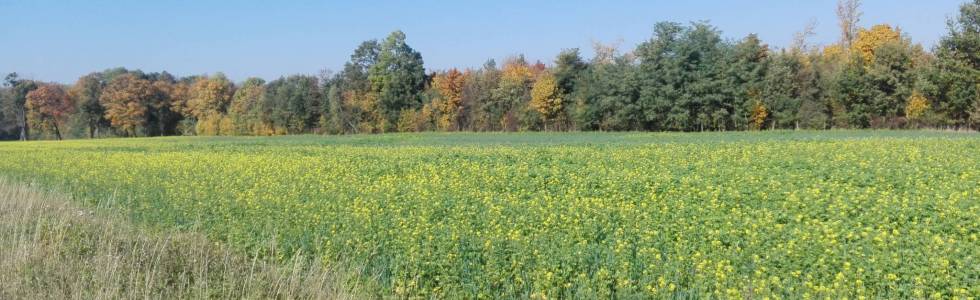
877,214
50,248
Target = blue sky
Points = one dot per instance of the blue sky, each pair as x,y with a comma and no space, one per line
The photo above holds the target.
62,40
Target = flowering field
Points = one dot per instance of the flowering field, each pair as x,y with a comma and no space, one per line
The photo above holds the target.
784,214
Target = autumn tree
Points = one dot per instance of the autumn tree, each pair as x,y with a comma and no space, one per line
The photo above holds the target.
868,41
547,100
757,118
162,119
208,104
244,109
449,86
126,99
478,97
48,107
916,106
513,90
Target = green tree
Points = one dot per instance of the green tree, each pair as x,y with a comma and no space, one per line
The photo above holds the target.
478,99
569,68
16,100
244,109
513,91
957,72
747,78
607,97
294,103
854,91
683,74
398,77
86,92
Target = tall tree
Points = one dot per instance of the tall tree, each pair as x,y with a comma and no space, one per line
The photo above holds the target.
546,99
607,98
957,74
16,100
398,77
747,77
683,73
350,99
208,104
244,109
126,99
478,97
569,67
449,86
86,92
48,107
513,90
294,102
848,17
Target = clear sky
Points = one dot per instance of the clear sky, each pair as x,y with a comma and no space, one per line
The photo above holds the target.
62,40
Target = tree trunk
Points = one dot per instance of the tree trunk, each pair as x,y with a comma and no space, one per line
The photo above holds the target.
24,131
57,132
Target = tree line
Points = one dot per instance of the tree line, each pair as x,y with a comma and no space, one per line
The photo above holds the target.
686,77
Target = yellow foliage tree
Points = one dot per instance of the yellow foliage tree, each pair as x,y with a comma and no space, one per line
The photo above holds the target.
450,88
546,98
916,106
516,70
208,103
759,115
126,99
869,40
210,95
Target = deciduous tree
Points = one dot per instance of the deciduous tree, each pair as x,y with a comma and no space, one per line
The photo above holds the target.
126,99
86,93
449,86
398,77
546,99
48,107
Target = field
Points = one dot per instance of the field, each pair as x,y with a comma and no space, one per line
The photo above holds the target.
879,214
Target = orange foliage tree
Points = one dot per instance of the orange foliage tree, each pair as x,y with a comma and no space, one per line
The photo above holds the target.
450,88
48,106
126,99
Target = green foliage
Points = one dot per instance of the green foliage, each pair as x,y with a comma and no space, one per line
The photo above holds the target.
683,78
686,77
957,75
91,114
293,103
398,77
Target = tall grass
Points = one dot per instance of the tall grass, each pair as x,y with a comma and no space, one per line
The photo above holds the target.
52,249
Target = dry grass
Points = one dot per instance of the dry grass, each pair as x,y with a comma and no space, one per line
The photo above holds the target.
52,249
